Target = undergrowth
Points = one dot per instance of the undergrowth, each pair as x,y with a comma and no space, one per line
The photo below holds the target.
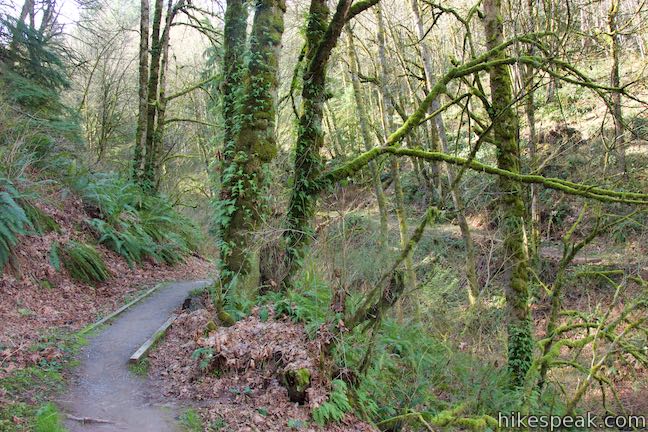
191,421
13,223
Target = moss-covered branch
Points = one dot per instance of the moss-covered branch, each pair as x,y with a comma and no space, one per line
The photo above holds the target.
583,190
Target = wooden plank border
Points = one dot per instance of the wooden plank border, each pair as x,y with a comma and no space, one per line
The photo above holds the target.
146,346
107,318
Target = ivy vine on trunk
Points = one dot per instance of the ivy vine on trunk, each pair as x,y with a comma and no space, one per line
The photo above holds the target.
249,109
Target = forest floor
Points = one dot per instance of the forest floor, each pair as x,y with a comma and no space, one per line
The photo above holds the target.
103,387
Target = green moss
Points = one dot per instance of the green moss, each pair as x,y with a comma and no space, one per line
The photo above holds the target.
302,378
297,382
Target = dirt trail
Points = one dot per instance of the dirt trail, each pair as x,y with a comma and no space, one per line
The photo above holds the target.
104,388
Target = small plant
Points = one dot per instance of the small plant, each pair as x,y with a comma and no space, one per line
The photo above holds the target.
191,421
41,221
84,263
335,407
205,355
296,424
140,368
218,424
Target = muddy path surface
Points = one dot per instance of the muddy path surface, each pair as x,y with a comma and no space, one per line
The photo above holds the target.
102,386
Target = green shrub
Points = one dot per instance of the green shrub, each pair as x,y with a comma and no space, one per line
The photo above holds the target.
41,221
131,246
84,263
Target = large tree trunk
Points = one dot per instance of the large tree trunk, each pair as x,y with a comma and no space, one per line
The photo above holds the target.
388,125
457,199
360,105
243,181
512,209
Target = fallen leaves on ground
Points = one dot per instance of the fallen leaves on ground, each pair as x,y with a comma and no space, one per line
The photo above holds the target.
239,387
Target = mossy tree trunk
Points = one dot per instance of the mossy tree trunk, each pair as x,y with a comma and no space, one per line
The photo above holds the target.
511,203
251,141
360,105
529,110
455,193
148,173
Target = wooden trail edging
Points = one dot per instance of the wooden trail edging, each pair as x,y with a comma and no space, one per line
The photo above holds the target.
146,346
107,318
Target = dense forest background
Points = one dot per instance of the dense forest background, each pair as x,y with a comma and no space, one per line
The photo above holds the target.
447,199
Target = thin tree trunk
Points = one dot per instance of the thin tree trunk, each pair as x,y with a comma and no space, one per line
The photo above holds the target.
158,136
529,110
388,125
619,130
148,177
360,105
512,209
336,136
457,199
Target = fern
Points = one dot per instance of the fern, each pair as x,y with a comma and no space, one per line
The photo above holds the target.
134,225
41,221
335,407
84,263
132,247
14,221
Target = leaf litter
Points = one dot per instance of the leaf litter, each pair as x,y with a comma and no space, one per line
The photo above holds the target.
233,374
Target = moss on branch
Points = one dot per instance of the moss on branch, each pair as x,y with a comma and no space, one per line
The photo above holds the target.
571,188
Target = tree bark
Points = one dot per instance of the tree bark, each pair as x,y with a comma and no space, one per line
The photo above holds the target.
148,175
243,181
322,35
619,130
529,110
511,204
